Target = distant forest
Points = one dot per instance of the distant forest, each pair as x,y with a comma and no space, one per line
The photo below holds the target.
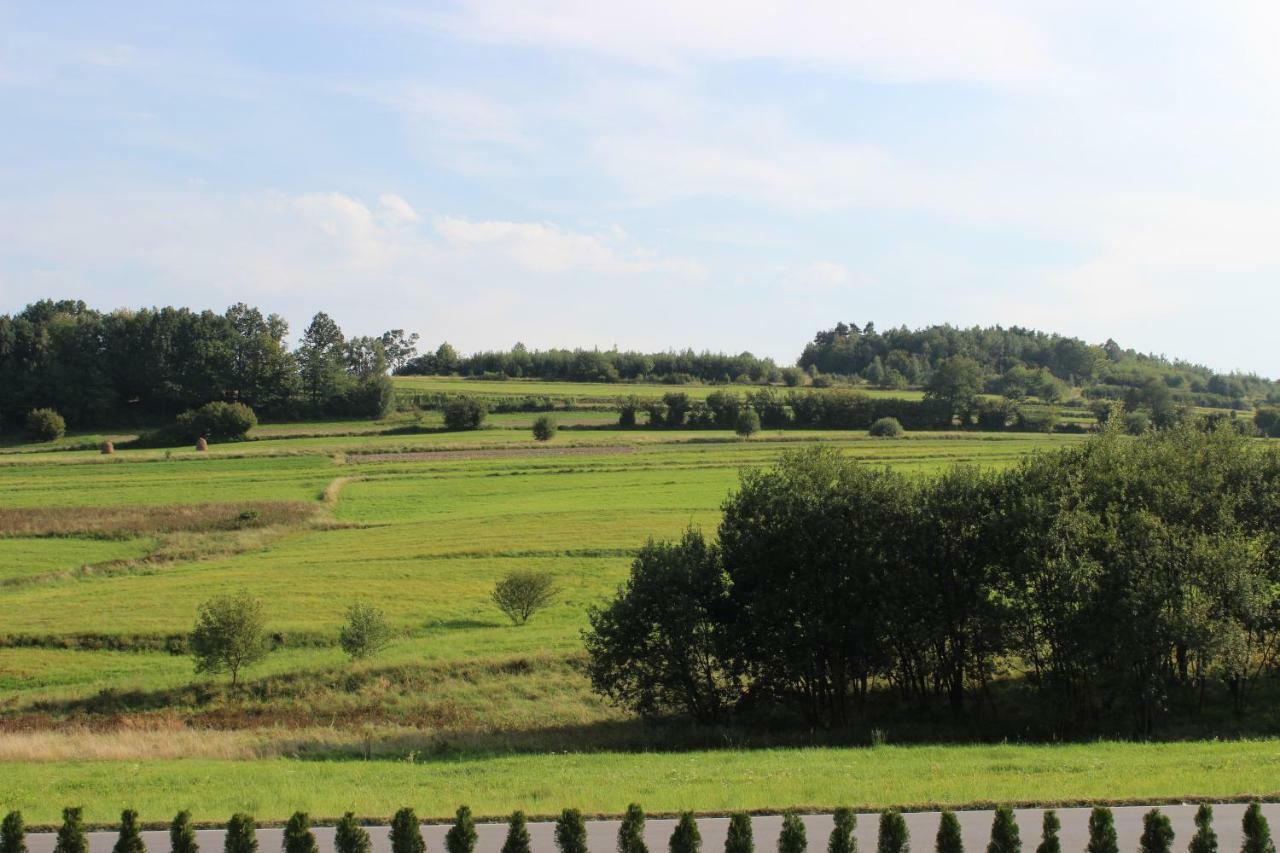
127,366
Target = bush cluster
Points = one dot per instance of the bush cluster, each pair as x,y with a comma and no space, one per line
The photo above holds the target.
45,425
464,413
216,421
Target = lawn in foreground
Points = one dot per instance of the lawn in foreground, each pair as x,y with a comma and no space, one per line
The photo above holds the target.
604,783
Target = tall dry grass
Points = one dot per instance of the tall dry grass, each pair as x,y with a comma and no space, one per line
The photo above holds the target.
128,521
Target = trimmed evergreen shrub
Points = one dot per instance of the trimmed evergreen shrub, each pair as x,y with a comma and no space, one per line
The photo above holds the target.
406,833
631,832
741,839
71,838
1102,832
517,834
544,428
571,832
242,834
1157,833
792,839
182,835
298,837
893,836
1049,840
886,428
461,837
350,836
13,834
130,838
45,425
1205,840
1004,832
747,423
948,839
1257,832
685,838
842,840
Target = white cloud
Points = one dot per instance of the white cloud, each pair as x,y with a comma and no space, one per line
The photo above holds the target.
819,275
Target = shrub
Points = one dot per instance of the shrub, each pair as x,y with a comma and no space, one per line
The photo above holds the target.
631,832
13,834
1257,833
241,835
1267,420
521,594
182,835
842,840
747,423
463,413
517,834
71,837
461,837
1102,832
406,833
1205,840
1157,833
350,836
366,632
685,838
792,838
1004,832
45,425
216,422
886,428
1049,840
571,832
1136,423
1043,420
229,636
130,838
298,837
740,838
544,428
677,405
627,409
995,415
893,836
948,839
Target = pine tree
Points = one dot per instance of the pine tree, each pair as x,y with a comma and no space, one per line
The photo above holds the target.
949,840
685,838
71,837
1004,832
740,839
571,832
1102,832
182,835
242,834
406,833
461,837
792,838
1157,833
130,840
1049,840
631,833
842,840
517,834
13,834
894,837
298,837
1205,840
1257,833
350,836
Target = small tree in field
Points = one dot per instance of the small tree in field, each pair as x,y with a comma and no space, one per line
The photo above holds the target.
948,839
1257,832
544,428
747,423
1004,832
517,834
130,838
1102,832
182,835
842,840
71,837
462,413
366,631
1157,833
1049,840
740,838
792,839
406,833
685,838
350,836
893,837
298,837
229,635
571,832
521,594
13,834
241,835
1205,840
461,837
631,832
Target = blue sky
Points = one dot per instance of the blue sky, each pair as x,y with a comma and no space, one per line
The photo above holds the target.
728,175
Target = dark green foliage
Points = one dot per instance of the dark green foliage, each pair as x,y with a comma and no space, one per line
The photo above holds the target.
747,423
230,634
1257,832
406,833
241,835
842,840
627,408
298,837
1267,420
544,428
1136,423
792,839
13,834
677,405
182,834
130,838
71,837
350,836
216,422
464,413
1004,832
686,838
741,838
45,425
949,839
1102,832
517,840
1049,839
1205,840
461,837
957,382
1157,833
631,832
366,631
571,832
893,836
886,428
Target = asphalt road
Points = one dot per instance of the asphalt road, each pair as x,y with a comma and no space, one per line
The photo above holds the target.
602,834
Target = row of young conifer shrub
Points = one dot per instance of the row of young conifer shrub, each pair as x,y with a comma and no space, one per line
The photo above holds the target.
571,833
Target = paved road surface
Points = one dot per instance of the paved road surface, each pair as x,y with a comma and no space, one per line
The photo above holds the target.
602,835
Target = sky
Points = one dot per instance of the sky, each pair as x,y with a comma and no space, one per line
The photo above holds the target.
719,175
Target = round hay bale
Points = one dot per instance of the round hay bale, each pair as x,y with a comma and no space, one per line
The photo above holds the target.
108,448
201,444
